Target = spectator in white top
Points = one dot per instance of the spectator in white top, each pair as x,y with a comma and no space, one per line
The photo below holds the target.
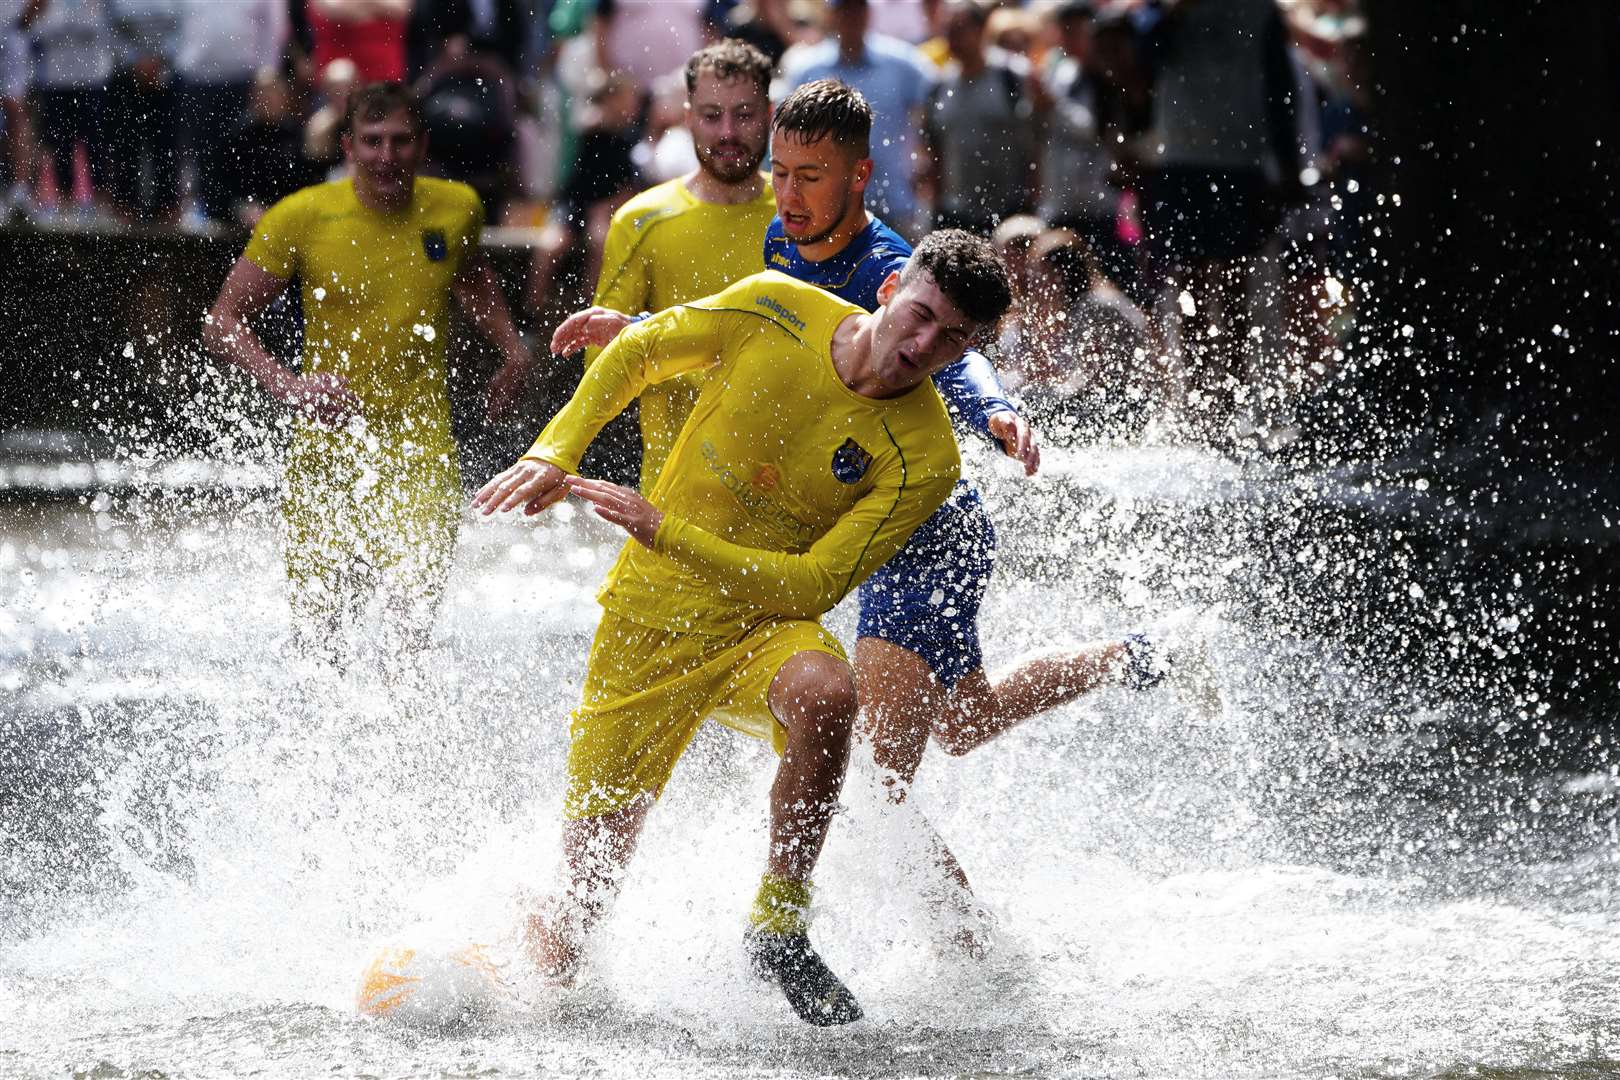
223,48
73,46
1081,362
895,79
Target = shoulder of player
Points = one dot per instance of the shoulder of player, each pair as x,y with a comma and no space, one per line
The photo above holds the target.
886,255
289,217
434,192
328,195
797,307
646,208
786,287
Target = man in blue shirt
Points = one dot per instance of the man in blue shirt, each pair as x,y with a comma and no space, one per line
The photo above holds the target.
895,78
919,669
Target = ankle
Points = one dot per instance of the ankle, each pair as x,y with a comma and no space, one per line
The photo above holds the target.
782,906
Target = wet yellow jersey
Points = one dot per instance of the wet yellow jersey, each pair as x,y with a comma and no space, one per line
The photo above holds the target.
665,247
784,489
376,292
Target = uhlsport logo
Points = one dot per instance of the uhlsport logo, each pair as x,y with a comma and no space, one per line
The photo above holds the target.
778,259
434,246
850,462
781,312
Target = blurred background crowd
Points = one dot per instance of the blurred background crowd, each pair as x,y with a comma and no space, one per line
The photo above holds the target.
1165,177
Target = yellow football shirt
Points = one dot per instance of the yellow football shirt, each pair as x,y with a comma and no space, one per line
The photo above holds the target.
666,247
785,489
376,292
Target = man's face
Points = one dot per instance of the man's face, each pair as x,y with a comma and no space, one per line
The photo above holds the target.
818,185
730,121
919,331
385,154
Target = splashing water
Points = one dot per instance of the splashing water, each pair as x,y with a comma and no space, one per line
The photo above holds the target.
1338,867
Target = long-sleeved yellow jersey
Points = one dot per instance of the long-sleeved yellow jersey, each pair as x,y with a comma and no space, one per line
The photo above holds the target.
785,489
665,247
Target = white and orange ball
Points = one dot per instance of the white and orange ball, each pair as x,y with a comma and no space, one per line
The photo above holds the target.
426,987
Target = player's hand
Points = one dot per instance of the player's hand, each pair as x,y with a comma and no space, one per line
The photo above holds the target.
325,399
621,506
593,326
506,387
532,485
1017,439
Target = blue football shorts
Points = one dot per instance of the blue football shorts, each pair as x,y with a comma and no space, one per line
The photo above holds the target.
926,598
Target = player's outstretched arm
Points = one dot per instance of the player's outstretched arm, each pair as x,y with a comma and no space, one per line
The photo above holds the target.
596,326
804,586
1016,437
248,290
972,389
530,485
621,506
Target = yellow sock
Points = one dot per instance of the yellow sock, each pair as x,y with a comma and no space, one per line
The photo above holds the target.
781,905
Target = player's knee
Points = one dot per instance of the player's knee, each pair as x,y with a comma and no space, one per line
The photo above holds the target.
818,690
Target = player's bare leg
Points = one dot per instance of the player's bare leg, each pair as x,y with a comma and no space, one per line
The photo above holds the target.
813,697
596,850
902,704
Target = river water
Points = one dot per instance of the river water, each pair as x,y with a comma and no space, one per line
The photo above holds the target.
1364,859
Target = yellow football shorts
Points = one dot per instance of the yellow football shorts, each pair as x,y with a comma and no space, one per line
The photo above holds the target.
361,521
647,691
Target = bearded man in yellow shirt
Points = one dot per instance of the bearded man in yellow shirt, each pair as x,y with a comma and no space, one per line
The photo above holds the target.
692,236
815,447
371,490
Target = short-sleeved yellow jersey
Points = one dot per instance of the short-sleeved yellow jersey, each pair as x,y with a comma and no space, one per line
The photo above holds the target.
784,489
666,247
376,292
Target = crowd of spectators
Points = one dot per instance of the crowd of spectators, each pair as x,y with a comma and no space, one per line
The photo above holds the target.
1141,162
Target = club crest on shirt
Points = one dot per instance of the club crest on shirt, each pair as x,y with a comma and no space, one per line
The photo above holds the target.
850,462
434,246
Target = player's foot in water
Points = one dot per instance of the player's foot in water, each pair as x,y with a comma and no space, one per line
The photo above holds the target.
551,947
789,961
1146,661
1176,648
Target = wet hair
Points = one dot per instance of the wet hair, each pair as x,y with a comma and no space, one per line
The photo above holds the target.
827,109
375,100
730,59
967,270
